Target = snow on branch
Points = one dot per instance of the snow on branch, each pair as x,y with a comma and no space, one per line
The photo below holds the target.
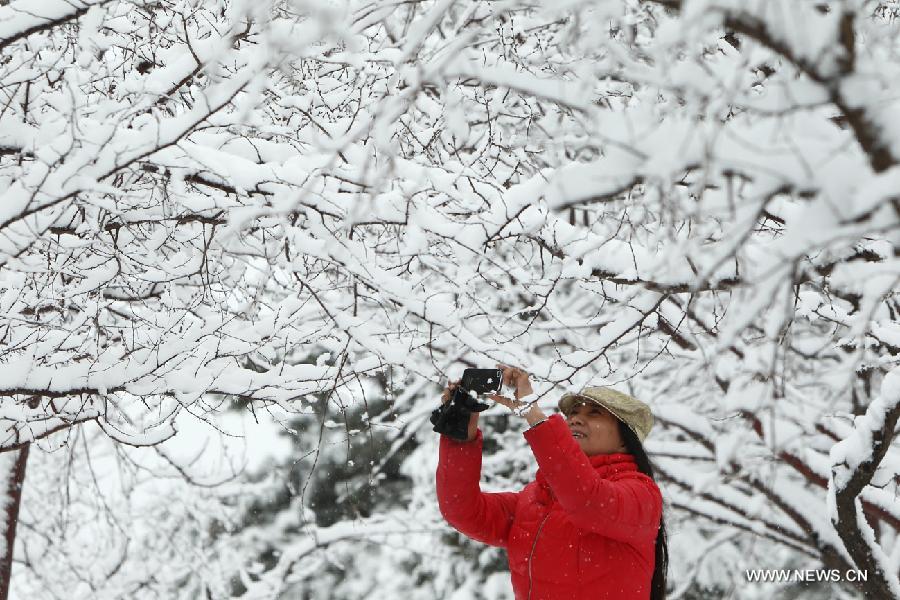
22,18
855,461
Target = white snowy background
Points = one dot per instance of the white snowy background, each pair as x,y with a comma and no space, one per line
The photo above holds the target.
244,245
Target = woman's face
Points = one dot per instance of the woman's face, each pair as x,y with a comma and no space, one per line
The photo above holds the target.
595,429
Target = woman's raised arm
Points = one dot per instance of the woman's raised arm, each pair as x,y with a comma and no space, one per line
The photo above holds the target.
626,509
482,516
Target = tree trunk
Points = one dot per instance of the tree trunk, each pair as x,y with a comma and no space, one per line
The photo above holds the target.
12,478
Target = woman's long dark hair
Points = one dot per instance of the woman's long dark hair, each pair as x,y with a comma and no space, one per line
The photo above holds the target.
634,447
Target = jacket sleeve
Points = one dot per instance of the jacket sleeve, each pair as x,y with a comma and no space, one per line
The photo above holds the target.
485,517
627,509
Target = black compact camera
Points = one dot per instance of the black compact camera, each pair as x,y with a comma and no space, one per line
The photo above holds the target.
452,418
482,381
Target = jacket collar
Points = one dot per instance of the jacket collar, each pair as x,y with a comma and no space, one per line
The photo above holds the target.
615,462
606,465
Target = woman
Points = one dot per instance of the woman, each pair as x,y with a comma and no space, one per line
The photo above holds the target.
589,527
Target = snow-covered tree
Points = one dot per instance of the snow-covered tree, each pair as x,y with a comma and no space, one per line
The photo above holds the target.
137,142
695,201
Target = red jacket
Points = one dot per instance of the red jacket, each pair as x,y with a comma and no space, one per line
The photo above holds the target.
584,529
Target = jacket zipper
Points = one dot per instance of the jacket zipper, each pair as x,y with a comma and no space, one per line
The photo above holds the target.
533,545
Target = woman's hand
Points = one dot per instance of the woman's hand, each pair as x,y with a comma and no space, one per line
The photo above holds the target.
447,396
518,379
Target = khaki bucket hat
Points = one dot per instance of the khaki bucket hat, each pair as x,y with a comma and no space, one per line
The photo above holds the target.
630,411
